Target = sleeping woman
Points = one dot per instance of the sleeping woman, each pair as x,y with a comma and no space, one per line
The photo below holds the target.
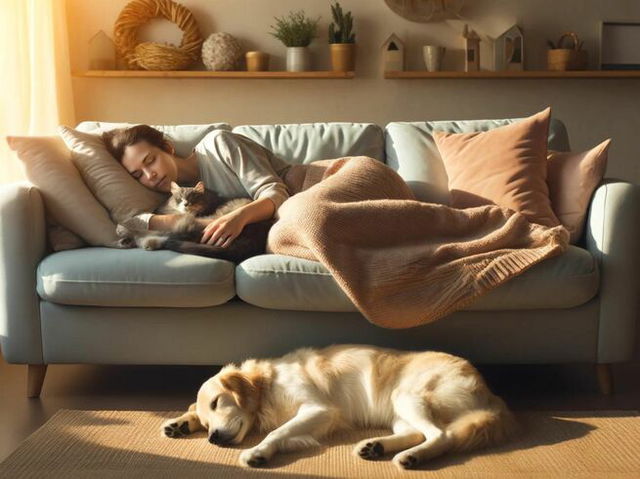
227,163
402,262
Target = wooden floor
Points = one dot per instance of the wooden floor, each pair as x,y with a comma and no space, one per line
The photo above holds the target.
165,388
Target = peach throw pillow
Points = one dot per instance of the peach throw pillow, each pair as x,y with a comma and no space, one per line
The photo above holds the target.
506,166
572,179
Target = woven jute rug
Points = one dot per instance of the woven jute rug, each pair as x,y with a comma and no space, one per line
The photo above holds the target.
123,444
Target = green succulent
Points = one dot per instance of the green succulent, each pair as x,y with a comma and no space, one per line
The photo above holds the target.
295,30
340,28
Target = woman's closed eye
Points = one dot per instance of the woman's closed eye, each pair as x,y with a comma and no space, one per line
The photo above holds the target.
147,161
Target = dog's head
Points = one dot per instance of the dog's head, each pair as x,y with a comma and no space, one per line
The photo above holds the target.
227,404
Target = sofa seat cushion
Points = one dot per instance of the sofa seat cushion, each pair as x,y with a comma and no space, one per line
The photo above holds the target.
284,282
134,277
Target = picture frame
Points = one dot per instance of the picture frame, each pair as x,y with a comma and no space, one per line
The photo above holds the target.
619,45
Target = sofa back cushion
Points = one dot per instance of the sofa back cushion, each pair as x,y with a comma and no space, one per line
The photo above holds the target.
412,152
307,142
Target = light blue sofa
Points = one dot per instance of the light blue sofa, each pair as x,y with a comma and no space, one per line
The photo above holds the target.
109,306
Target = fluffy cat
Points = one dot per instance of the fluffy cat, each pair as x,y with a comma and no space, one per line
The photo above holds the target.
198,202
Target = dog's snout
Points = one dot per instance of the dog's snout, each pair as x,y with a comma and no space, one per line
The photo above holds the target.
214,438
219,439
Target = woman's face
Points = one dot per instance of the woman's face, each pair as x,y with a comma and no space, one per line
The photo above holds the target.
150,165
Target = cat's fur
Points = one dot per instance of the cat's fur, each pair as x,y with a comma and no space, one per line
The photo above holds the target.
198,202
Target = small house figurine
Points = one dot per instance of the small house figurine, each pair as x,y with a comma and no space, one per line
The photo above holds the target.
509,50
102,52
393,54
472,50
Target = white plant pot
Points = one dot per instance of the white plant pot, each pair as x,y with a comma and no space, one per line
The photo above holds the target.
298,59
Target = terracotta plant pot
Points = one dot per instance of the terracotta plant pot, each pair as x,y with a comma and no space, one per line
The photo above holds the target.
343,57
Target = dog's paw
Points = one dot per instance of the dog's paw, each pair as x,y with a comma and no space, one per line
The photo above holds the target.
369,449
175,429
405,460
254,457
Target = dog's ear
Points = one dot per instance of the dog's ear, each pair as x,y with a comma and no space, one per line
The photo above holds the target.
245,392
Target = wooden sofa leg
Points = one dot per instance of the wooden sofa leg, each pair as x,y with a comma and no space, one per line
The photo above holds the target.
35,379
605,378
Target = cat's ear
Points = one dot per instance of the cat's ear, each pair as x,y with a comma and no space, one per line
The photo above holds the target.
175,188
199,187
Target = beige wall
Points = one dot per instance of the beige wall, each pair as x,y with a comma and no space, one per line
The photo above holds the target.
592,109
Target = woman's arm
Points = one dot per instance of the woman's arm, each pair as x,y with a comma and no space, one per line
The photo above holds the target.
258,210
162,222
222,231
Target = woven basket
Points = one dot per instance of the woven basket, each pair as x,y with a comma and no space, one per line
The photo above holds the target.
151,55
563,59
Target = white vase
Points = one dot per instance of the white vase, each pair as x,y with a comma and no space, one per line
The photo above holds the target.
298,59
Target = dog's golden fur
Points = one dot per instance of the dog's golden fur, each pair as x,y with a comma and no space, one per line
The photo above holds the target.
433,402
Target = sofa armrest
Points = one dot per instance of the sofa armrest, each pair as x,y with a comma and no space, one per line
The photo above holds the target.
613,237
22,246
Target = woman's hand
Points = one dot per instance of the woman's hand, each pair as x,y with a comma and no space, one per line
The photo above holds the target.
223,230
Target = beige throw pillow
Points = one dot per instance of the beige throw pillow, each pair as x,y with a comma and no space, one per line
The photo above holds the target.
506,166
572,179
68,201
111,184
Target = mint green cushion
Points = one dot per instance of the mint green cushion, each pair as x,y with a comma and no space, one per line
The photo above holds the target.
307,142
134,277
412,152
284,282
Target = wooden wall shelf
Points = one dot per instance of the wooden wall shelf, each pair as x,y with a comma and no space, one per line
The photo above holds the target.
318,75
407,75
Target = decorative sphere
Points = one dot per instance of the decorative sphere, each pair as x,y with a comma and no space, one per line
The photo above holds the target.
221,51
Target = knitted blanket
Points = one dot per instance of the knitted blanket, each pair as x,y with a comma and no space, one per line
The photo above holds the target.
402,262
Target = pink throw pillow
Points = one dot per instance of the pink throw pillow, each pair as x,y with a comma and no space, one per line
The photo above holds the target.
506,166
572,179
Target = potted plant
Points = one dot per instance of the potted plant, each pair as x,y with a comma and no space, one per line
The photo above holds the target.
342,40
296,31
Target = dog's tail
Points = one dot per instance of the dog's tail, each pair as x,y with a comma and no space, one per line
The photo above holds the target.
482,427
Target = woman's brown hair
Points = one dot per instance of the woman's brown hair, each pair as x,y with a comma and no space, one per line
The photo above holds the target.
117,140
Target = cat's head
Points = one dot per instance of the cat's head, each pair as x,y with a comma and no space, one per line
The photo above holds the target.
191,199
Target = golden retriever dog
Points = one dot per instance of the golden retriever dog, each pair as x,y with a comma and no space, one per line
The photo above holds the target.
432,401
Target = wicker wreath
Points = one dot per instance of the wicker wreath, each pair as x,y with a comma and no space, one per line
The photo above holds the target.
156,56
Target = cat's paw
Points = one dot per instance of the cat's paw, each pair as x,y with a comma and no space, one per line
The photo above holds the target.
126,243
152,242
123,232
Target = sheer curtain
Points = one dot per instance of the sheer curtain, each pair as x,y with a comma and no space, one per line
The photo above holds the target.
35,88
